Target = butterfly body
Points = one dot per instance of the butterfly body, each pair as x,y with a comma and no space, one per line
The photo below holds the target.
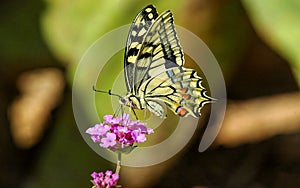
133,101
154,68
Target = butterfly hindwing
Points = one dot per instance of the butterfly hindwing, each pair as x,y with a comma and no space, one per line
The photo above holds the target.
182,92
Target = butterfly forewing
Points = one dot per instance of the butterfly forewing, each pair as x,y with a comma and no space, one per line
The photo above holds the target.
136,35
160,50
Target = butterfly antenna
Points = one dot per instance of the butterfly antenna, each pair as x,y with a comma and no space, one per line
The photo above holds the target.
108,92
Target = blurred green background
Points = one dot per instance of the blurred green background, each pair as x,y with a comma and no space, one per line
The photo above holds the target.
255,42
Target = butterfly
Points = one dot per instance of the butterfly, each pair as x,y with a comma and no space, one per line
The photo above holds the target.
154,68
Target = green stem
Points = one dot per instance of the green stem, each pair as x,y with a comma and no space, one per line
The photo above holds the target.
118,163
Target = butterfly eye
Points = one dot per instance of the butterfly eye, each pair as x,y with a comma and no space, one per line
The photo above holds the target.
122,100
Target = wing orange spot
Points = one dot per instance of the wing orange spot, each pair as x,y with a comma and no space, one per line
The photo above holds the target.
184,90
181,111
186,96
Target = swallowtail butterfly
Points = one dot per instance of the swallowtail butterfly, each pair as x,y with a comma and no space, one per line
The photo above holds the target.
154,71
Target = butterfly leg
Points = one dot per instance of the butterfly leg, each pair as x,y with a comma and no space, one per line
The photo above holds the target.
134,114
118,111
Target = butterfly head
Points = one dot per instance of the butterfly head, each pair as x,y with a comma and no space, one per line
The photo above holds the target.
131,101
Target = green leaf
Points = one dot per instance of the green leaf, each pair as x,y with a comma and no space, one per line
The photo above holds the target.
278,24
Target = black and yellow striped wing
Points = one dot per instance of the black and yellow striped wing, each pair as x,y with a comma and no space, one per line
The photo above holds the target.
154,69
179,88
150,49
138,30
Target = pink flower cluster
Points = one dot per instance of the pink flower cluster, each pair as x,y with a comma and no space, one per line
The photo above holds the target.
104,181
117,133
